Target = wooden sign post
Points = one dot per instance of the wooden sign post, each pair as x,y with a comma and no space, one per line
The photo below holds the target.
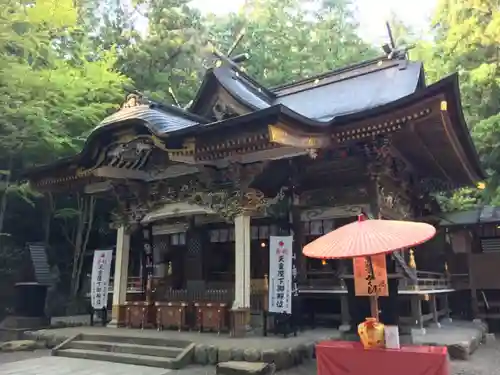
370,279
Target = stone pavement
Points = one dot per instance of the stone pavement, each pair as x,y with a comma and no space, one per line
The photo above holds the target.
69,366
486,361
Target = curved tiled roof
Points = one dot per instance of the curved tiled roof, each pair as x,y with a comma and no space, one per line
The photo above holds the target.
158,121
328,96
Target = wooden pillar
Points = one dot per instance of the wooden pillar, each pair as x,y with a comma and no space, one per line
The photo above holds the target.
120,277
472,284
416,313
193,264
345,314
241,305
434,311
298,244
447,317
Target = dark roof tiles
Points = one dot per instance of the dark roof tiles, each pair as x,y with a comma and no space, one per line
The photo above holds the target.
327,96
355,94
243,90
318,100
158,121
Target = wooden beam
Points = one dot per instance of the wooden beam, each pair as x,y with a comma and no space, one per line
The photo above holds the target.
120,173
423,146
97,187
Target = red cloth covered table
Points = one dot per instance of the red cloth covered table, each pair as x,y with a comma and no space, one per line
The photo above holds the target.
350,358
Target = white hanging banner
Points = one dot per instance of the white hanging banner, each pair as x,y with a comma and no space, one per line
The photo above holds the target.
101,269
280,274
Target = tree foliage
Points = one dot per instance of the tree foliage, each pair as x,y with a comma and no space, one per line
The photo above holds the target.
53,90
466,40
291,39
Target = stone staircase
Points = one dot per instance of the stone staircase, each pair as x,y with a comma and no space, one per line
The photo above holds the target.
40,264
142,351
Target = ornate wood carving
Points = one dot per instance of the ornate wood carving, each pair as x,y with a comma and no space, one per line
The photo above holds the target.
334,197
392,202
382,162
130,155
222,110
226,192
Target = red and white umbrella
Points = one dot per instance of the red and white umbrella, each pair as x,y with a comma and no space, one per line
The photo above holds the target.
364,238
369,237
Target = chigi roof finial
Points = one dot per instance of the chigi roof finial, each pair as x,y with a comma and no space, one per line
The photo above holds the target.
232,60
392,51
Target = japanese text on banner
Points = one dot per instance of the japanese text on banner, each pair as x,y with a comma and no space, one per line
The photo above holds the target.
280,274
101,269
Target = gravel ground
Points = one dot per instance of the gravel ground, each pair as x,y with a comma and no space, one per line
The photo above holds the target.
485,361
19,356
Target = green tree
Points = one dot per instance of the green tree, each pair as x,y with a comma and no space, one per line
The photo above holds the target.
466,40
166,64
291,39
49,100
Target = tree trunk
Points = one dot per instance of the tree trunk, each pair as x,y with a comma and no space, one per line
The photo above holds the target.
79,237
89,220
5,197
49,211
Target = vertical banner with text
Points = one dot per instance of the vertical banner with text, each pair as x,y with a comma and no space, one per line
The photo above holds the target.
280,274
101,269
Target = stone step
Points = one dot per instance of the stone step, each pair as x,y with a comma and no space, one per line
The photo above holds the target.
119,347
151,341
125,358
245,368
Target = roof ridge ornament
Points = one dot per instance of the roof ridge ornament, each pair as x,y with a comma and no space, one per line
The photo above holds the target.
392,51
135,99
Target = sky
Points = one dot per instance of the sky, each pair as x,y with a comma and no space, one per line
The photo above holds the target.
371,14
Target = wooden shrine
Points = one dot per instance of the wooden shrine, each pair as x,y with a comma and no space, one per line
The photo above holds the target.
203,188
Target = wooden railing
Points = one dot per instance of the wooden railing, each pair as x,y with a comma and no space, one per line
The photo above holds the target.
328,280
212,292
322,280
134,284
432,280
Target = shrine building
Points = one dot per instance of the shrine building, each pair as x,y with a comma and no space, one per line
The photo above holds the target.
206,186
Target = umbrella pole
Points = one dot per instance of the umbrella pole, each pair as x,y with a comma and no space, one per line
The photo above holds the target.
374,306
373,299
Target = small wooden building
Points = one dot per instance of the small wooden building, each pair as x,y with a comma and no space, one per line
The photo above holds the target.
209,184
473,241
